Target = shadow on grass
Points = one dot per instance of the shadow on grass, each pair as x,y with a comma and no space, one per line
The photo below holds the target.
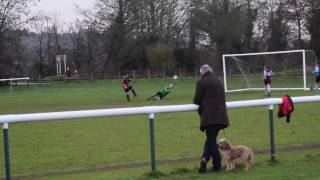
180,172
272,162
154,175
160,174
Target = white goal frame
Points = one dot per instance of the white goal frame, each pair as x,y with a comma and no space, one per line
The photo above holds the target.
303,51
60,58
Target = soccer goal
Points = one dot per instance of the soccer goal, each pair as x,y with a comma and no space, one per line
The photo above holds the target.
292,70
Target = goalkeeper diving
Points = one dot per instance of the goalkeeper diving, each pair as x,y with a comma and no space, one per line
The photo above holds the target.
163,93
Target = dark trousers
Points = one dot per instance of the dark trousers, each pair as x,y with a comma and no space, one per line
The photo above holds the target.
160,95
210,147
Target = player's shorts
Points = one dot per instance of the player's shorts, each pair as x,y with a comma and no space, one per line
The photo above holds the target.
127,89
318,79
160,94
267,81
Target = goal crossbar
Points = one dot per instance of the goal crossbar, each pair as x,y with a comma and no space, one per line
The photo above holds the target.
264,53
259,89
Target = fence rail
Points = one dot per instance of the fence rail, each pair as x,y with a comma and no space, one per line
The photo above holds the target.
15,79
150,110
11,80
14,118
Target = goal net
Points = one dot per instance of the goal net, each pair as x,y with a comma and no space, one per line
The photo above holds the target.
292,70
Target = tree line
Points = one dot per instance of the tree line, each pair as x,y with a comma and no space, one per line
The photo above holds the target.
158,35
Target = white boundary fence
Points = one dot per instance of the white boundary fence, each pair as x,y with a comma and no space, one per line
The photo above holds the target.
15,79
150,110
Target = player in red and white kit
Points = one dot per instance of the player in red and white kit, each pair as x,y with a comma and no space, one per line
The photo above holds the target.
126,86
267,73
68,72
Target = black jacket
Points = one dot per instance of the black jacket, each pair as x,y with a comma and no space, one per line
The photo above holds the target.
210,97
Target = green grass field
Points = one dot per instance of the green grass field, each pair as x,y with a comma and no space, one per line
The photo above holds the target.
49,150
278,81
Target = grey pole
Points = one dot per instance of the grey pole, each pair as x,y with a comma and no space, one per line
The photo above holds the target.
10,84
271,133
6,149
134,74
152,143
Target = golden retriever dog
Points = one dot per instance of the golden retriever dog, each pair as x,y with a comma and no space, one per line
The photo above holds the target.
232,152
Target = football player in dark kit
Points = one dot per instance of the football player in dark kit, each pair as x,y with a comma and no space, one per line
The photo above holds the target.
126,86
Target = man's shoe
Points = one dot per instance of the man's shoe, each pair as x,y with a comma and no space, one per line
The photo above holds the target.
216,169
203,167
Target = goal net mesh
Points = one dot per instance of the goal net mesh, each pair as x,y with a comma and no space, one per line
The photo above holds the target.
245,71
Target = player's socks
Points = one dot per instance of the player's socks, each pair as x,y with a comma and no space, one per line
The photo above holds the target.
128,97
134,93
151,97
266,91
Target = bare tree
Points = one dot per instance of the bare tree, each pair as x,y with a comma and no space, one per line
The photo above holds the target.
13,15
278,27
313,25
77,44
49,34
39,26
298,10
57,29
162,19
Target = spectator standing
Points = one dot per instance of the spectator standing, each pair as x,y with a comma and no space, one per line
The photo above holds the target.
210,97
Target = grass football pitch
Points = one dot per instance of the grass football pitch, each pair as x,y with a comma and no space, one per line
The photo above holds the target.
118,147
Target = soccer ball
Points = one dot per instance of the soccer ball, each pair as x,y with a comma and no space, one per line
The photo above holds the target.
175,77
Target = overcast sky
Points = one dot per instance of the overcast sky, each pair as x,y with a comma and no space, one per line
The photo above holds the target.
63,9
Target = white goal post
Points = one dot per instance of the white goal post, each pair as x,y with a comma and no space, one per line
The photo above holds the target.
61,68
292,70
